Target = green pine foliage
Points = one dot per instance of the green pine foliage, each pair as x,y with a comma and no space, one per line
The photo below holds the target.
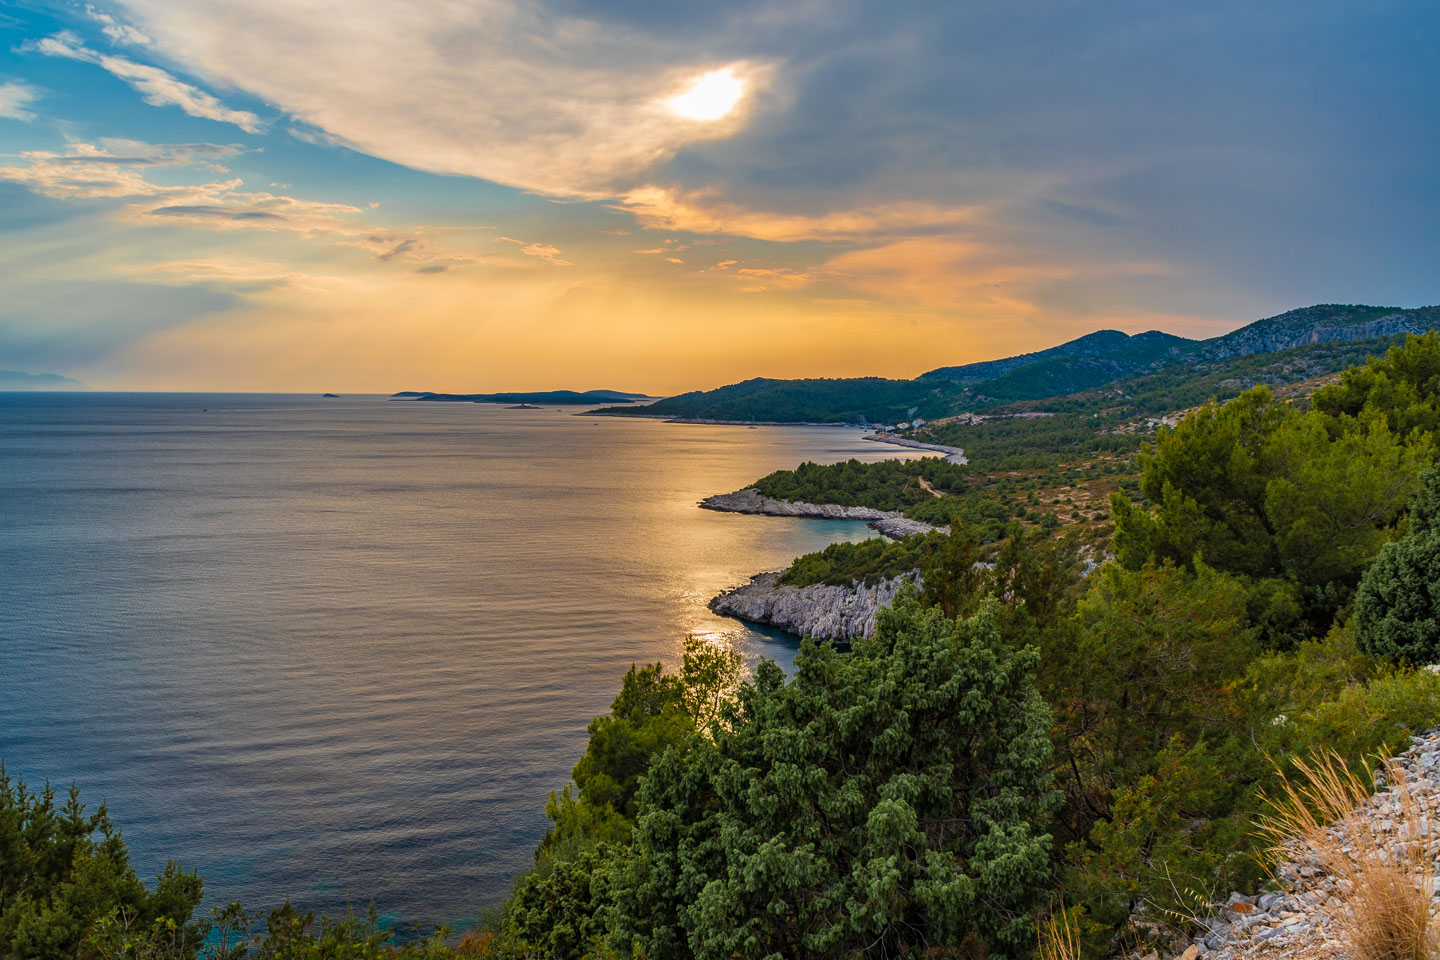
1403,386
882,484
63,872
1265,491
867,561
1397,608
1033,442
882,802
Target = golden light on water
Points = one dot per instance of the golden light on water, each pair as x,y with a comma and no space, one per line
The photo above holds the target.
710,97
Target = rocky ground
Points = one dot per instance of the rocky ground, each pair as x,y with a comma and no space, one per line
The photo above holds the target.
953,454
827,612
751,500
1294,921
888,523
898,528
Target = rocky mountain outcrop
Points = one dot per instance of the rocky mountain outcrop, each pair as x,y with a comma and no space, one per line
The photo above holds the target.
820,610
1318,324
751,500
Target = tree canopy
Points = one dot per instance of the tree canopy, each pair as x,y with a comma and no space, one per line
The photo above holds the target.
883,801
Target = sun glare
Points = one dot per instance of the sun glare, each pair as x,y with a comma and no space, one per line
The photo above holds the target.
710,97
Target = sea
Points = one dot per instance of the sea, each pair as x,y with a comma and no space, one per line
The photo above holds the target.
341,650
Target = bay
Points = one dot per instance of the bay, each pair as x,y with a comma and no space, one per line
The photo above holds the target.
341,650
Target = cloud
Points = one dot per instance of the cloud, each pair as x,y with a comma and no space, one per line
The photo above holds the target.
949,273
155,86
15,98
783,276
662,208
88,171
236,275
117,32
497,89
117,169
542,250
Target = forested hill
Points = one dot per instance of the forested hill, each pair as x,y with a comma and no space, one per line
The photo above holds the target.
1119,351
1090,373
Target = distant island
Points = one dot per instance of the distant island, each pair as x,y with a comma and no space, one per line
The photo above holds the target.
564,397
332,396
17,380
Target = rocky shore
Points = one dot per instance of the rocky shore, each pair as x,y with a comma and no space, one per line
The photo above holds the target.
1295,921
898,528
820,610
953,454
751,500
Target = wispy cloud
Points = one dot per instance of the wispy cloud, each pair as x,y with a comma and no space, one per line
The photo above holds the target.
113,169
664,208
242,276
500,89
781,276
157,87
544,251
118,169
115,30
15,100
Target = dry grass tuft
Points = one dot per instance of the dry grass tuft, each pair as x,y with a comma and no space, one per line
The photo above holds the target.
1383,880
1059,937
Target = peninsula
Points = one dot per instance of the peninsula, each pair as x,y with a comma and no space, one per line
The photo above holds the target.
562,397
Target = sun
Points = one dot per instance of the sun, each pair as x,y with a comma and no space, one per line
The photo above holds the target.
710,97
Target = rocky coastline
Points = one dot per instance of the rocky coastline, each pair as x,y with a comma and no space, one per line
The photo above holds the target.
753,501
820,610
953,454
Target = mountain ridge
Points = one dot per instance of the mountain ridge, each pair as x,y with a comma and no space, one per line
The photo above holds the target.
1096,361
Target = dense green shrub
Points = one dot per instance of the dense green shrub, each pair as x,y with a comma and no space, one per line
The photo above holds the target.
1397,607
881,484
881,803
866,561
1262,490
63,871
1017,443
1403,387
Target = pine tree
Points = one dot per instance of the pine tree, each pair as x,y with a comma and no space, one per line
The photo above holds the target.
884,802
1397,607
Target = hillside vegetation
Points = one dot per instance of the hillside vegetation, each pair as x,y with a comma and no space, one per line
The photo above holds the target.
1149,373
935,792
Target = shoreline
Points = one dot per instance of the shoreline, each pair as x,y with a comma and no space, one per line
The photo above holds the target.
823,611
752,501
955,455
666,418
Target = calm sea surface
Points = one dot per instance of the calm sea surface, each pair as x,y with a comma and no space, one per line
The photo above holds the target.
341,650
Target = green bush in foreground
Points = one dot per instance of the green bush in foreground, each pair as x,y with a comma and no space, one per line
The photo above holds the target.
63,872
1397,607
881,803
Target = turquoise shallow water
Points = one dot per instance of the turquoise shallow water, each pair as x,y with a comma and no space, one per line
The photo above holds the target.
341,650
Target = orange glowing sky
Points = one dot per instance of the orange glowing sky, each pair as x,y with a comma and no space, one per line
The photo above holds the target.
368,197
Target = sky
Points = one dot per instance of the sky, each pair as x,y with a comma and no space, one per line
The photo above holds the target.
485,195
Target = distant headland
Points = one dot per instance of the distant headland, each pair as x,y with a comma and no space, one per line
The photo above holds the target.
17,380
570,397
